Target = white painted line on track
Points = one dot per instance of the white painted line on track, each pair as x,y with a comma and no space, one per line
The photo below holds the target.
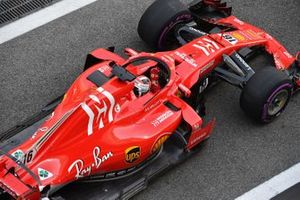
275,185
39,18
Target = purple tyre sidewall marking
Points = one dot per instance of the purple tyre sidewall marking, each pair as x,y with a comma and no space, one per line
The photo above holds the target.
265,106
179,19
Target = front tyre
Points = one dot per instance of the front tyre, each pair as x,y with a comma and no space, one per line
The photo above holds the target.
159,20
266,94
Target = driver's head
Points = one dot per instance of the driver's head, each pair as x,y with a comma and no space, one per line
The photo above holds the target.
142,85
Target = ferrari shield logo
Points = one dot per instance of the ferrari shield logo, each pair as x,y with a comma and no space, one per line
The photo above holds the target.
132,154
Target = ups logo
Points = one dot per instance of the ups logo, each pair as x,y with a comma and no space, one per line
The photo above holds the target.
132,154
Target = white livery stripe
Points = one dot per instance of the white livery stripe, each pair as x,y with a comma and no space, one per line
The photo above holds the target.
212,42
275,185
95,98
202,48
91,115
111,100
100,111
40,18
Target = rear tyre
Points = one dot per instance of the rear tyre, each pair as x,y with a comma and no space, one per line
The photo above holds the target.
266,94
159,20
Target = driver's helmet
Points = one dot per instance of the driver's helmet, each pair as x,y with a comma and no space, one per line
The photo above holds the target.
142,85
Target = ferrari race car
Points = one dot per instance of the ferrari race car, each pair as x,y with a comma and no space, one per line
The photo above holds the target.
126,120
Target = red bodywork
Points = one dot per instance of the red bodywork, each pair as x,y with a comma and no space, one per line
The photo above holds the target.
97,130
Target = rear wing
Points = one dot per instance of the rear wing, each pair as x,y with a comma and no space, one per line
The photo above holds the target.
100,55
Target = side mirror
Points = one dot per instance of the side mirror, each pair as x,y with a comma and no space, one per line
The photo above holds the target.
186,91
130,52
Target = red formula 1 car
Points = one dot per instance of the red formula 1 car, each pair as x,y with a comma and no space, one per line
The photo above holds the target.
123,121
